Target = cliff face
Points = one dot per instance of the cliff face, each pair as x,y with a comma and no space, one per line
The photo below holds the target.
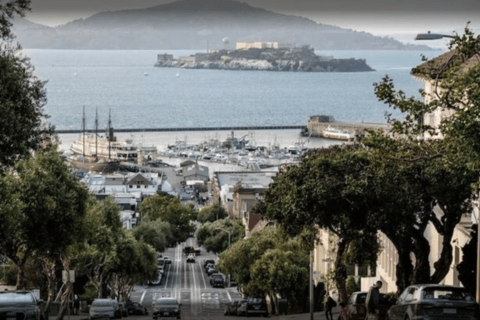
296,59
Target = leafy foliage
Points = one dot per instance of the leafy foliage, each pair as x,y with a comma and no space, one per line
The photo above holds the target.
211,236
211,213
170,210
156,233
43,196
270,263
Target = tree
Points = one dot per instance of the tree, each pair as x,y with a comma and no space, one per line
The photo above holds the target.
269,263
211,213
104,230
157,234
440,174
170,210
45,209
467,269
329,189
211,236
22,94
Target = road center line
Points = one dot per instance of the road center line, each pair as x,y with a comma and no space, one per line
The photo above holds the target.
229,297
203,276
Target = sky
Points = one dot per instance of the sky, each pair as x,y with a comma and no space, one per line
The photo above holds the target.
379,17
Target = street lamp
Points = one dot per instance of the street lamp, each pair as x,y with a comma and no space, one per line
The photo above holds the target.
218,228
434,36
431,36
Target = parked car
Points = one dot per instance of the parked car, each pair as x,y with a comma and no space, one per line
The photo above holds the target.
208,261
433,301
104,308
256,306
232,307
217,281
167,260
22,304
355,307
136,308
211,271
208,266
191,258
166,307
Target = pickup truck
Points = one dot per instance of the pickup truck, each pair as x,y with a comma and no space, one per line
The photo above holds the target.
192,250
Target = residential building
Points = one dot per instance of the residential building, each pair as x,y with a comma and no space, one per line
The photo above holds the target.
196,172
164,57
245,197
223,185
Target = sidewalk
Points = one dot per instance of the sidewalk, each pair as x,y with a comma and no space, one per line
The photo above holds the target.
306,316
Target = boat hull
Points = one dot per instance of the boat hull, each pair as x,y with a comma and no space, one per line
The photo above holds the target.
100,166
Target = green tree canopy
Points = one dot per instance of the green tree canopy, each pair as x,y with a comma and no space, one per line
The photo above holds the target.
22,94
45,210
211,236
269,263
156,233
170,210
211,213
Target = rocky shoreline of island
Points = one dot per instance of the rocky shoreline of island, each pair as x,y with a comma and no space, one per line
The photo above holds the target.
297,59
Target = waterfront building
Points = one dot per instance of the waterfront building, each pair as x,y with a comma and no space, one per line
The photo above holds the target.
262,45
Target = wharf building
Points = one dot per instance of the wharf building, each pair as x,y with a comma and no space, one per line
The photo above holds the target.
324,254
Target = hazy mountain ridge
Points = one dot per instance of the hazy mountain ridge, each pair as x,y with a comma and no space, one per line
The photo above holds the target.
188,24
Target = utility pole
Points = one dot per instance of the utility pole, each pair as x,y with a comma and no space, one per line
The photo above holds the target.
311,285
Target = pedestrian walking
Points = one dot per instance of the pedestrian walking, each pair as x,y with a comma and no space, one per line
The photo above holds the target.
372,302
76,305
329,305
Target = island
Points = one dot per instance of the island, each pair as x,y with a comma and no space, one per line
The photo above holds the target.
264,57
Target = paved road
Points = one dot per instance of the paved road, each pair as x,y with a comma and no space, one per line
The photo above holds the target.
190,285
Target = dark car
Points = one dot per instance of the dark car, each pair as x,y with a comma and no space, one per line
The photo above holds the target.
232,307
355,307
217,281
166,307
208,266
21,305
191,258
207,261
136,308
123,309
256,306
431,301
211,271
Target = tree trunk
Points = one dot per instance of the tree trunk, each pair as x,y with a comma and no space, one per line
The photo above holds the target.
404,270
421,273
341,270
20,285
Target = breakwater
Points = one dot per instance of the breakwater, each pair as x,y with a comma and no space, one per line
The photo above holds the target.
180,129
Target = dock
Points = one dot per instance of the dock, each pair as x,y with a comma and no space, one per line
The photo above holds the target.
247,128
317,125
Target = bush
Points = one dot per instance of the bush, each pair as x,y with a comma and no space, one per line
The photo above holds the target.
352,285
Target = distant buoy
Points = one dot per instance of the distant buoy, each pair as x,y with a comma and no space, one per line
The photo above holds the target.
145,74
178,74
75,74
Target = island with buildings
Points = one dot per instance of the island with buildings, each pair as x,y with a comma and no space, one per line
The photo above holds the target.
264,56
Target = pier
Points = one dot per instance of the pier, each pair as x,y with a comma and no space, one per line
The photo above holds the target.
318,124
246,128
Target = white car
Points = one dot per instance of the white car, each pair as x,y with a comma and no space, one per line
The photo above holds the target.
191,257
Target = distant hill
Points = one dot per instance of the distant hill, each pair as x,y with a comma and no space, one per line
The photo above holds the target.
187,24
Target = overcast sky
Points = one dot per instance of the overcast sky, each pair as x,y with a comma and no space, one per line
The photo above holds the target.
380,17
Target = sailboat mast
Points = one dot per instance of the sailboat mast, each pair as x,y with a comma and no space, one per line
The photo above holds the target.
109,131
83,129
96,132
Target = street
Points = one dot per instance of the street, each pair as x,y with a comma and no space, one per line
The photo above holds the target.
189,284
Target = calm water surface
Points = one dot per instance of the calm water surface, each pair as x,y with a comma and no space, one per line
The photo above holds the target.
142,96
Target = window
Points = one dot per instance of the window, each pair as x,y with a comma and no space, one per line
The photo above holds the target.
410,294
130,186
138,186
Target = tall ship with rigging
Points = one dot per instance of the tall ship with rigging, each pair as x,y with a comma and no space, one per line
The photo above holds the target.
98,153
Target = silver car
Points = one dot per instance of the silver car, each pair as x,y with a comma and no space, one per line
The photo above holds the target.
166,307
432,301
104,308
